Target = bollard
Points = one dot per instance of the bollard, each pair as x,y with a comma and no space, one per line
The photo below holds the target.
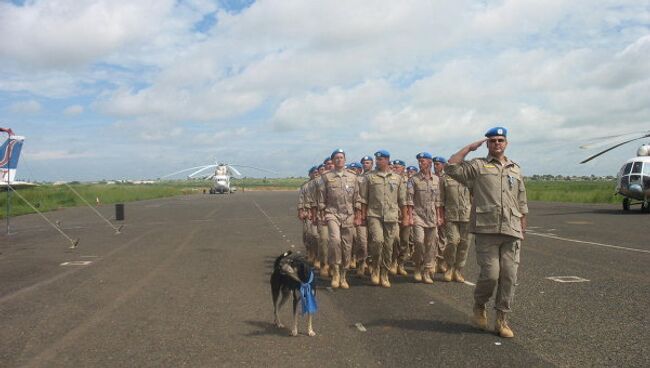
119,211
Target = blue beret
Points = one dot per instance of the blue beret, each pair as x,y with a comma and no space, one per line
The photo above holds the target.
326,159
440,159
424,155
313,168
321,166
412,168
399,162
355,165
338,150
382,153
497,131
366,158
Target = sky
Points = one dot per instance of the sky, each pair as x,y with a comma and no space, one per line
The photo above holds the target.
123,89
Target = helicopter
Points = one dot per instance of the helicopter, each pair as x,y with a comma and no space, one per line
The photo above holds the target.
633,179
221,176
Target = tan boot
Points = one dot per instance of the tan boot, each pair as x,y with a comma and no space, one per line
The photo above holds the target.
317,264
401,270
458,276
449,275
353,263
384,279
336,277
393,268
374,276
361,268
480,317
344,281
417,276
426,277
325,271
501,326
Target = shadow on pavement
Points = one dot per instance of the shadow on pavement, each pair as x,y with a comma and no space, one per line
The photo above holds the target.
266,328
426,325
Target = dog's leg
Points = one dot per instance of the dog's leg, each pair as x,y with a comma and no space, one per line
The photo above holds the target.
296,297
285,296
310,329
275,292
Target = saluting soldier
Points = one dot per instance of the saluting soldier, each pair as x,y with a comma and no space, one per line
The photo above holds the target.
457,210
380,197
498,220
304,214
425,204
401,248
337,194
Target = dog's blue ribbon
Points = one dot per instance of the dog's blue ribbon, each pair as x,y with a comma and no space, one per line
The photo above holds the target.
308,294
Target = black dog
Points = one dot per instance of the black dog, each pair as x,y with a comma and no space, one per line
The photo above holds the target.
290,273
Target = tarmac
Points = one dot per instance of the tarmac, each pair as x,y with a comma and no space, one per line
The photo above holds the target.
186,284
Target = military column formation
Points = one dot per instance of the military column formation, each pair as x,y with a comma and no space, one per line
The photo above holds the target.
378,219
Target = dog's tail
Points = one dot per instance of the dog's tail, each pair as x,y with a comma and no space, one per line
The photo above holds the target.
276,265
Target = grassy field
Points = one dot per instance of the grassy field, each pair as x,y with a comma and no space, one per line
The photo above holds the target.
50,197
572,191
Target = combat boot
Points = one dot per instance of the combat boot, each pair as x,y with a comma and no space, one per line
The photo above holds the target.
374,276
344,281
384,278
417,274
317,264
361,268
449,275
426,277
325,271
336,280
401,270
480,316
458,276
393,268
501,326
353,263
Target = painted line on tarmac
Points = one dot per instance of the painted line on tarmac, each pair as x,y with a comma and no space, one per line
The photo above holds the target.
551,236
360,327
469,283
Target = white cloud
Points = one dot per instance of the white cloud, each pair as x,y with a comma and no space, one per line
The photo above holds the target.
26,107
56,155
73,110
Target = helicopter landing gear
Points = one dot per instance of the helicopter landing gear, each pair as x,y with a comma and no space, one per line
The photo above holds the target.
626,204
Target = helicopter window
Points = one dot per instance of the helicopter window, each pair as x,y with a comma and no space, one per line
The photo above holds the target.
625,181
636,169
627,168
646,169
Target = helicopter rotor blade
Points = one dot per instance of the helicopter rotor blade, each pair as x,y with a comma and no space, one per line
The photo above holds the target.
184,170
256,168
234,170
605,140
202,169
612,147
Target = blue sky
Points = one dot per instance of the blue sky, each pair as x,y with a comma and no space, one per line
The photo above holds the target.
112,89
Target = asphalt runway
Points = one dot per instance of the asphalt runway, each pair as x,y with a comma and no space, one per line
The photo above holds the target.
186,284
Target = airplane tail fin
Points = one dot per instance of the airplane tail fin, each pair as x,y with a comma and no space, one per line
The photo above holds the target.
9,156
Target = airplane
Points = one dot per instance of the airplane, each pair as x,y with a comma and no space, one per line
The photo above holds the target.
633,179
220,177
9,156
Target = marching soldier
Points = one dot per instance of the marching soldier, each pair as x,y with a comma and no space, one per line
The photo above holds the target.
401,248
425,201
362,229
336,195
439,163
498,220
380,197
322,224
304,214
457,209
